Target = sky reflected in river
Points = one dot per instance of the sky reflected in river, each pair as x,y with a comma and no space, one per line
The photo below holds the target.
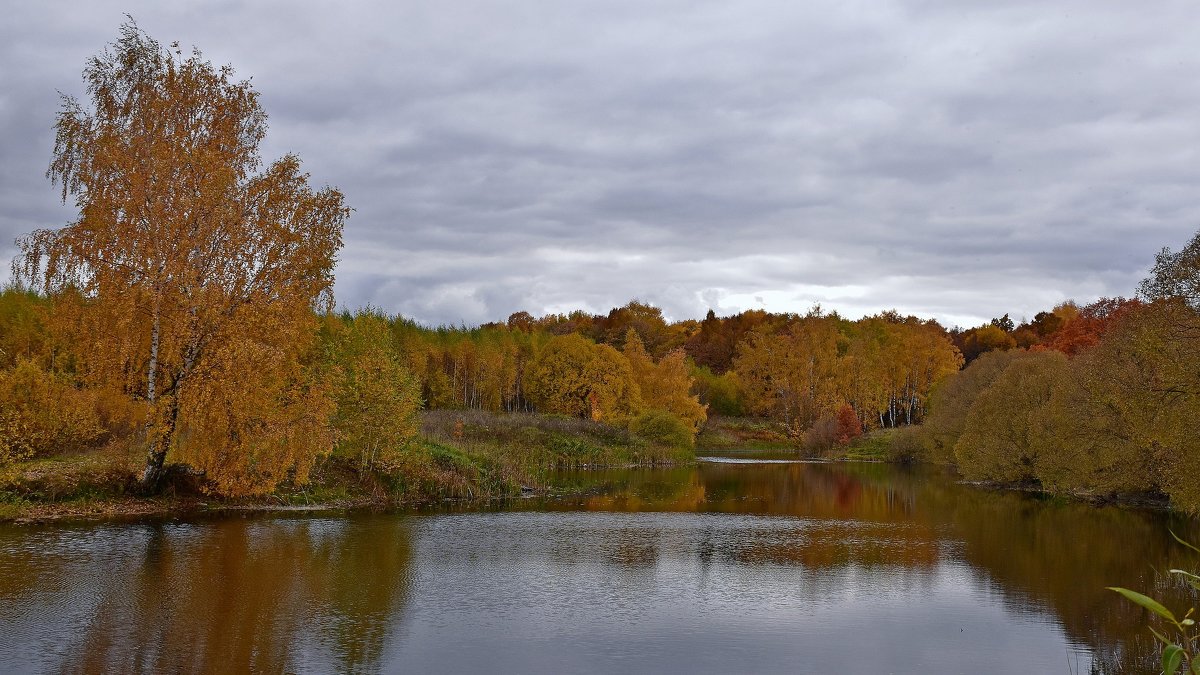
714,568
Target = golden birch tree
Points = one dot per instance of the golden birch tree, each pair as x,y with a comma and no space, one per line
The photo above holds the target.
197,269
665,385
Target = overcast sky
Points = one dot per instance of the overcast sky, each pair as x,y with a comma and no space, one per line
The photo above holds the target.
946,158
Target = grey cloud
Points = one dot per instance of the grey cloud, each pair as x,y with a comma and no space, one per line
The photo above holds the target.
949,159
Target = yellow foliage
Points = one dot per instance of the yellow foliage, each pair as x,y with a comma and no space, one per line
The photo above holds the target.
191,275
666,385
791,376
42,414
377,397
885,367
571,375
271,426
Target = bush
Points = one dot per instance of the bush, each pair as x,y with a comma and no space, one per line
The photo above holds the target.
1003,438
848,426
821,437
906,445
663,428
41,414
720,393
952,400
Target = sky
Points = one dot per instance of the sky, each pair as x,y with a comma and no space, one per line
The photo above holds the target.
950,159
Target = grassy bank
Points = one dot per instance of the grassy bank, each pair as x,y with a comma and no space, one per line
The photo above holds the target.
726,434
457,455
749,434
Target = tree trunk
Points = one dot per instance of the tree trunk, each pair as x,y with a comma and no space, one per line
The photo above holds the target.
155,455
162,433
153,369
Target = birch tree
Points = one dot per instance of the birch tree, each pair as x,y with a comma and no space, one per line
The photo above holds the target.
197,269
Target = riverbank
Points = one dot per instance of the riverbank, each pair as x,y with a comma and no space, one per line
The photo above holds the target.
749,434
467,455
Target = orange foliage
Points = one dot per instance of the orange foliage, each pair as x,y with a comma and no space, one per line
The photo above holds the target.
196,272
848,425
1088,325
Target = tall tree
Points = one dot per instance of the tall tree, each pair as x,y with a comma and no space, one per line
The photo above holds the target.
1175,275
196,267
573,376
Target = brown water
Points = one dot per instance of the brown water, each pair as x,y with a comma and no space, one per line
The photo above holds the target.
718,568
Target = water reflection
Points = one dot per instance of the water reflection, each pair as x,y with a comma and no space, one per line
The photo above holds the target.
1035,555
715,568
265,594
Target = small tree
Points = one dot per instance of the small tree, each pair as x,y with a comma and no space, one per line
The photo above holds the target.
665,385
377,398
197,272
848,425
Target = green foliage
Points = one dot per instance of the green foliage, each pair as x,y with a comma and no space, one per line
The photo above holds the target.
1002,439
743,433
377,398
571,451
1175,275
1181,640
906,445
1117,418
720,393
952,400
23,333
663,428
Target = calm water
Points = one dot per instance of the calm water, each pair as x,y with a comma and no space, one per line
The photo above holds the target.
720,568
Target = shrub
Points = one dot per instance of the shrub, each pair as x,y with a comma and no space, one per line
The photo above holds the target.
821,437
906,445
663,428
952,400
41,414
1003,438
848,426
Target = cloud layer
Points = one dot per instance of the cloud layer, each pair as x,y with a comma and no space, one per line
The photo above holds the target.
949,159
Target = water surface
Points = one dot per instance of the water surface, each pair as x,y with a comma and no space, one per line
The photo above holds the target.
722,567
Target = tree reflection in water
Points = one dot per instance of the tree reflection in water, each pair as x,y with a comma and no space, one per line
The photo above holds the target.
257,593
791,542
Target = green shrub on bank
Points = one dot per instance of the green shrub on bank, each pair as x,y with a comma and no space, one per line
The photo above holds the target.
1002,439
953,398
906,445
663,428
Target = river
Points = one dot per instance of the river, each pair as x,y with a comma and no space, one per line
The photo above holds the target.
723,567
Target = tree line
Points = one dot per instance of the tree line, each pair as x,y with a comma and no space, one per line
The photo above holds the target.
1102,403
